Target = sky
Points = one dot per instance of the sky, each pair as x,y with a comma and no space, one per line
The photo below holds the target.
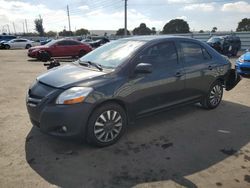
109,14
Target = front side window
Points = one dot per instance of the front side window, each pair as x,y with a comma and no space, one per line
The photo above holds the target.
163,53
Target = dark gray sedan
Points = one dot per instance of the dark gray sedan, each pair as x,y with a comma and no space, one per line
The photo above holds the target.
97,96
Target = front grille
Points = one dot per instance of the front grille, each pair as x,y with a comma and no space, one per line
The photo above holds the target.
245,68
247,61
33,102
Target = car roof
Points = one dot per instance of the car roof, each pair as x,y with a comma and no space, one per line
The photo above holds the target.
157,38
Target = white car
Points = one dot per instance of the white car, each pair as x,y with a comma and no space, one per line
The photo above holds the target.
18,43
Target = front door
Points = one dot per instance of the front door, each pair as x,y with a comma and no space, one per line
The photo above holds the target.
163,87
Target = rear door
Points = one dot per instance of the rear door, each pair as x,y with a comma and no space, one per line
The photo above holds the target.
163,87
199,68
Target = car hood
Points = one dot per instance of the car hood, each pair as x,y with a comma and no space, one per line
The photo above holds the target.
246,56
62,77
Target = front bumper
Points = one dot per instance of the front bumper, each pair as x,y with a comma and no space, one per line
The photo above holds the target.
50,118
243,68
32,54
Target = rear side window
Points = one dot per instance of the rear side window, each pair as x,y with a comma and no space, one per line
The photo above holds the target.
163,53
194,53
73,43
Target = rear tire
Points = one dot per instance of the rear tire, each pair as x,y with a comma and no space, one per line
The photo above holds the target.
213,98
81,53
27,46
106,125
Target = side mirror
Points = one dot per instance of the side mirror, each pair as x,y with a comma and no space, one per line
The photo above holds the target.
143,68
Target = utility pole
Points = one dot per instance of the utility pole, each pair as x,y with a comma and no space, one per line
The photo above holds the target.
8,28
125,16
23,28
14,27
68,17
26,26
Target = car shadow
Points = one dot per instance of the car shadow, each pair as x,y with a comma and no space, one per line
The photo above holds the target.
166,146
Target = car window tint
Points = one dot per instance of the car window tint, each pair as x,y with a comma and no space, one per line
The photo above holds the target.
194,53
206,54
62,43
72,43
163,53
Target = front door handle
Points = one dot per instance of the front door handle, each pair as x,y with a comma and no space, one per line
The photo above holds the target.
210,67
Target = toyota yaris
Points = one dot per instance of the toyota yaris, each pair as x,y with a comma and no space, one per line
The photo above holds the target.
97,96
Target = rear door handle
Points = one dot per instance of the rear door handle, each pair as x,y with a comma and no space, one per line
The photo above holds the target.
178,74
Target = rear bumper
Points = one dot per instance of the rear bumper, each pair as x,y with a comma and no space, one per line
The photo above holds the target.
232,78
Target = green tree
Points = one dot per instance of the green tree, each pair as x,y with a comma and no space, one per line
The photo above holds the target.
153,31
120,32
65,33
176,26
51,34
39,26
82,31
214,29
201,31
244,25
142,30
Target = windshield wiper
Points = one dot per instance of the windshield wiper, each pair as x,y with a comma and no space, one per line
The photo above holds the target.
96,65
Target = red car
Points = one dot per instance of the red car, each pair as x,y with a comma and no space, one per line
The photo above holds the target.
59,48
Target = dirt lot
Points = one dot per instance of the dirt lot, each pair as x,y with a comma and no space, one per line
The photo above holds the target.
188,146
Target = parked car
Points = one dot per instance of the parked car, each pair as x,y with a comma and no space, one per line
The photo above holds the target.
95,42
242,65
4,39
18,43
45,41
227,45
59,48
98,95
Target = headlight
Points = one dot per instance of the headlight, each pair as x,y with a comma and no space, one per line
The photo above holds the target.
241,60
73,95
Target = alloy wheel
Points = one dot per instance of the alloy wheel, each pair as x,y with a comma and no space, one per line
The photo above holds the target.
108,126
215,95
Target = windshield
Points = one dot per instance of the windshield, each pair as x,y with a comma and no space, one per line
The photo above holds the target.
51,43
112,54
215,39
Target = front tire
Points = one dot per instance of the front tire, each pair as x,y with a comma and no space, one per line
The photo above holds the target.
214,96
106,125
7,46
43,56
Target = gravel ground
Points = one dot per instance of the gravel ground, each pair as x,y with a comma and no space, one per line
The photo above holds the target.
184,147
